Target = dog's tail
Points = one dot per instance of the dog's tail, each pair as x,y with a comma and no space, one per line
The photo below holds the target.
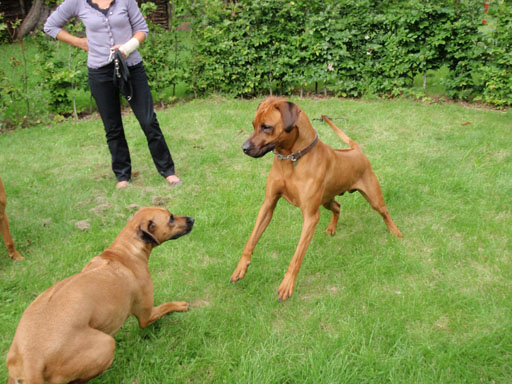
341,134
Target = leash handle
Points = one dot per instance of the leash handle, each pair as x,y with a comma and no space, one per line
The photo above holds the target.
116,68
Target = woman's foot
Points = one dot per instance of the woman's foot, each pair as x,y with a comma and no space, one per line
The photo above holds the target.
122,184
174,180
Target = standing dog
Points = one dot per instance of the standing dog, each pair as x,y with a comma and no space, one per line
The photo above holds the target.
4,227
66,333
307,173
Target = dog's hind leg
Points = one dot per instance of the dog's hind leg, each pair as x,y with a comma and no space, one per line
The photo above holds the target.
370,188
4,227
88,356
6,235
334,207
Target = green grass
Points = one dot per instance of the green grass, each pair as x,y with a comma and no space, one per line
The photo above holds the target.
434,307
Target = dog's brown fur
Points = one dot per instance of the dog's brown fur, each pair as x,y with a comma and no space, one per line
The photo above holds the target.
66,334
314,181
4,227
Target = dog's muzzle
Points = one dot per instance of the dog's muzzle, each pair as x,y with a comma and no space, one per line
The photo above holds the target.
250,150
190,224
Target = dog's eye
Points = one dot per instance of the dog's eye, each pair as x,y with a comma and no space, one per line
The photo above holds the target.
266,128
171,219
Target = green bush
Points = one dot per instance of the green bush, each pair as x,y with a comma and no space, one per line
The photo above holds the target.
163,52
246,48
496,70
352,47
61,75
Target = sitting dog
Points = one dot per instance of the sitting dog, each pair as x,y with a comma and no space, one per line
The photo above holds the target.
65,335
4,227
307,173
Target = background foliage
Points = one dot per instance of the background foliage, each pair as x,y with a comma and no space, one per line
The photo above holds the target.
349,48
163,53
496,69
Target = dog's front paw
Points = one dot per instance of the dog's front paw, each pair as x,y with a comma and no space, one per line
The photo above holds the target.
331,230
240,270
180,306
16,256
285,290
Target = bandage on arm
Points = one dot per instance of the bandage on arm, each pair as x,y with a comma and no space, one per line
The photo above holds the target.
129,47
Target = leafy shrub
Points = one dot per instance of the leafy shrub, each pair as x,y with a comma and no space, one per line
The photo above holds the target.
163,51
354,47
251,47
61,74
496,71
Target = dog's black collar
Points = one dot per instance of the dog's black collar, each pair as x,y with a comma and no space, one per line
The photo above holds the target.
297,155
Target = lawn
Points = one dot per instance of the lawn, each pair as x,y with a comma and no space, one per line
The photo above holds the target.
434,307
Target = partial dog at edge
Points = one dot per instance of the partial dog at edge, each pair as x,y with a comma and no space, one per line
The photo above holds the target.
66,334
308,174
4,227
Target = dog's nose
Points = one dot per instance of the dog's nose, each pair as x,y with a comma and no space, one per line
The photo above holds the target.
246,146
190,220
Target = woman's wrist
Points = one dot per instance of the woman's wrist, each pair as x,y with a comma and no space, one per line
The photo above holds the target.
82,43
129,47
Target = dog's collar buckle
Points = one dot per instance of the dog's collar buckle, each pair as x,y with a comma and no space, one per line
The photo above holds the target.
294,157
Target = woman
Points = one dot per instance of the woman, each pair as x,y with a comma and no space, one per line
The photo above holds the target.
110,25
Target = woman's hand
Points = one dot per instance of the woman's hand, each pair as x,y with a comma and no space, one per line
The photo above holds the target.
131,45
75,41
82,43
120,50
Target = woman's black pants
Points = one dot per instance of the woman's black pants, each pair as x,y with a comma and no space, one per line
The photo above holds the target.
108,102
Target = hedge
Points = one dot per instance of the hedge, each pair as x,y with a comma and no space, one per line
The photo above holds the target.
351,47
248,48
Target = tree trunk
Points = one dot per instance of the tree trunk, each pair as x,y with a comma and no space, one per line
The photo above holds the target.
23,10
36,16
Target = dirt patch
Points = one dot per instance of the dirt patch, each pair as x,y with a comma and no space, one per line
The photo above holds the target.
83,225
132,207
100,208
160,201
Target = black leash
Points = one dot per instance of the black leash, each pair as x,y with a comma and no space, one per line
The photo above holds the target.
122,78
330,118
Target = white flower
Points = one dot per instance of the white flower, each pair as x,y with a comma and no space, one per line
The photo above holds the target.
367,37
330,67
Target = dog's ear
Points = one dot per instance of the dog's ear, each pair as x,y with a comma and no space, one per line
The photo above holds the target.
146,234
289,115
